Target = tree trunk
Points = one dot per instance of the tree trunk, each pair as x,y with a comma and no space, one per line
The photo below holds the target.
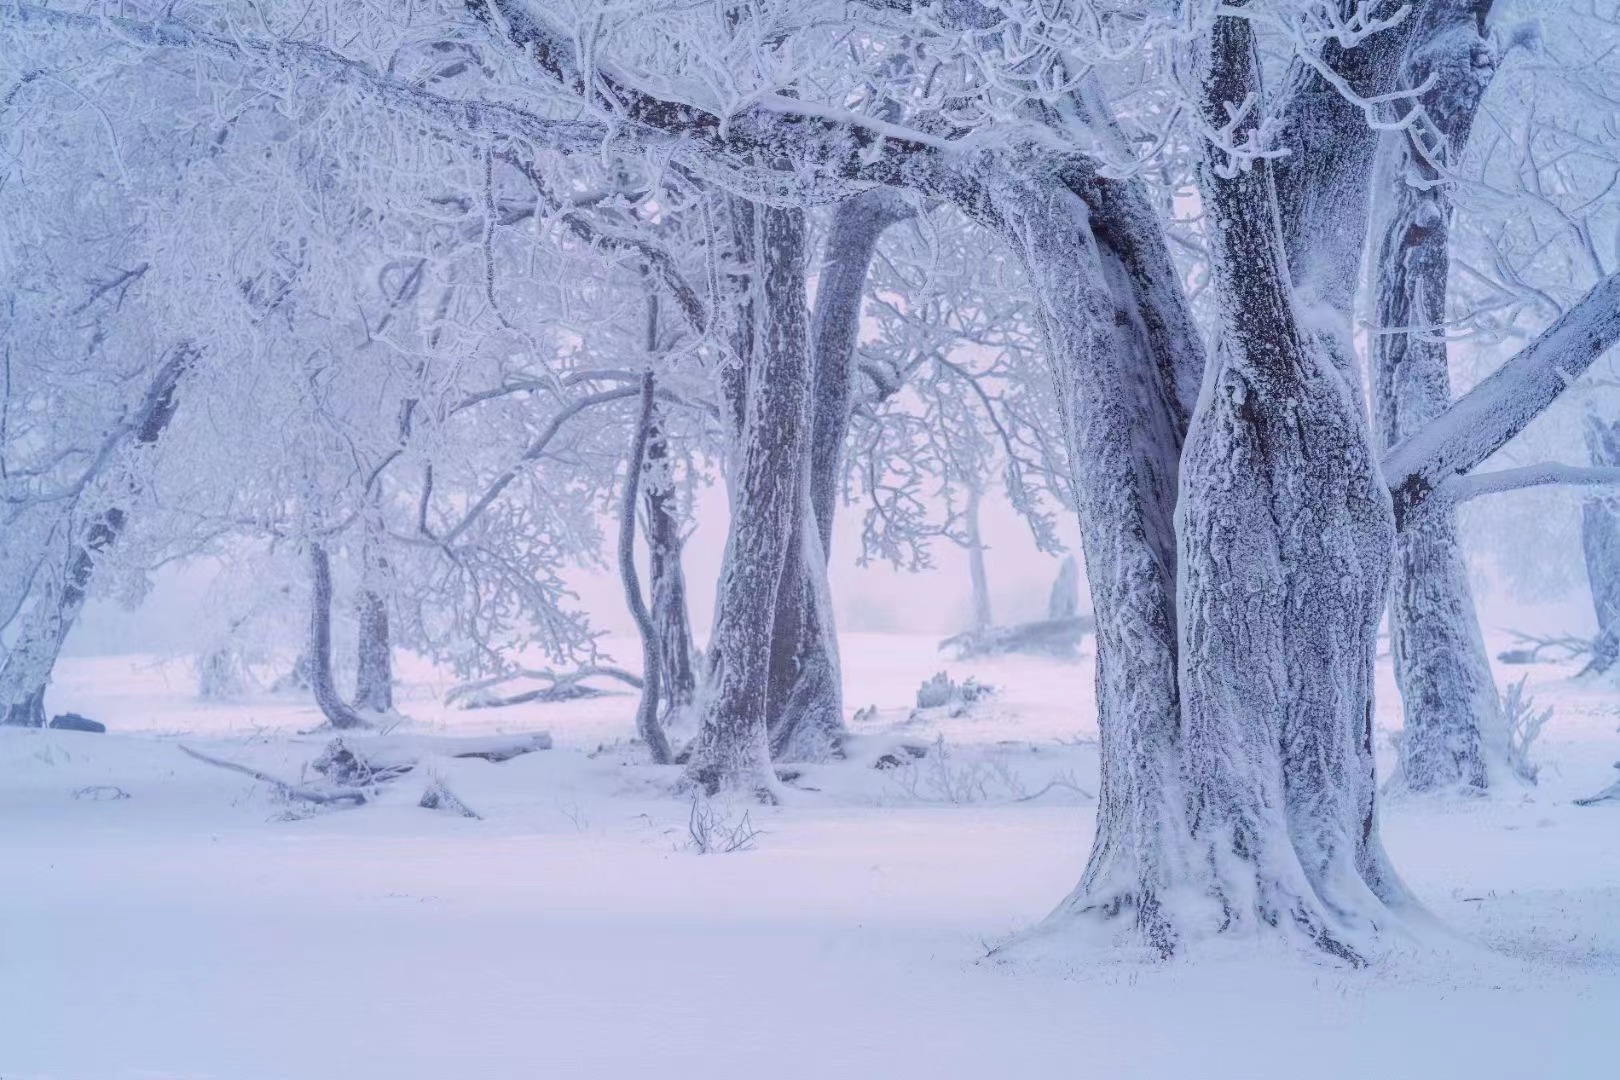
857,224
983,615
331,703
26,671
805,706
1455,733
374,669
1124,357
1284,536
1600,537
669,614
768,463
648,728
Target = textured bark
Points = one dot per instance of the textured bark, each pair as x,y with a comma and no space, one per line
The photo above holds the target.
805,707
1600,537
374,670
26,670
648,728
1455,732
767,466
331,703
1284,535
1125,361
669,612
374,667
1322,185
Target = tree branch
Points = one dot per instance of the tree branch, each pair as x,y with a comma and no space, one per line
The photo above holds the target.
1490,414
1489,483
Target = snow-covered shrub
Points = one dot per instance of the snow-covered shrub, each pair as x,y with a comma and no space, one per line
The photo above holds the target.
1524,727
941,692
941,776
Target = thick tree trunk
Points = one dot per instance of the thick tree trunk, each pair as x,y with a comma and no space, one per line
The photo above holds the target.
768,464
1456,733
648,728
1125,361
331,703
374,668
1284,534
669,613
1600,537
26,670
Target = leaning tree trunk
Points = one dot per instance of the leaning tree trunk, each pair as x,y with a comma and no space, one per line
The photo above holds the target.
374,669
767,464
331,703
1455,734
1600,537
805,707
26,671
1125,357
668,581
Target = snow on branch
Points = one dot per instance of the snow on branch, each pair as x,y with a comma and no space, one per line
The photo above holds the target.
477,121
779,148
1490,483
1480,421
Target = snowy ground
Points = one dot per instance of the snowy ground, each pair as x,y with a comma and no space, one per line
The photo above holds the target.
194,930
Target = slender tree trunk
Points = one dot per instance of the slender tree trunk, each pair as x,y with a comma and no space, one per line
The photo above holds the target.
374,669
669,613
648,728
26,670
331,703
805,708
1455,734
979,579
768,463
1600,537
857,225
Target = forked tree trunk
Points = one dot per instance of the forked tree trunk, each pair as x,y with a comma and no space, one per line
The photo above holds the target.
321,683
1600,538
1455,733
767,464
26,670
805,707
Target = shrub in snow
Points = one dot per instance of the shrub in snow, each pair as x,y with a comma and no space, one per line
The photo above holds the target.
717,832
1524,726
941,692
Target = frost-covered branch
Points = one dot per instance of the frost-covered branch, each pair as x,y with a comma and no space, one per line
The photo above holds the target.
1490,483
1480,421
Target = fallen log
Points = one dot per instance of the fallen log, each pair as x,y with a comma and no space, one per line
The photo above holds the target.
1044,637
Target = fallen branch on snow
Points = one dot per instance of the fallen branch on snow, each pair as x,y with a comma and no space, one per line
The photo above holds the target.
297,791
